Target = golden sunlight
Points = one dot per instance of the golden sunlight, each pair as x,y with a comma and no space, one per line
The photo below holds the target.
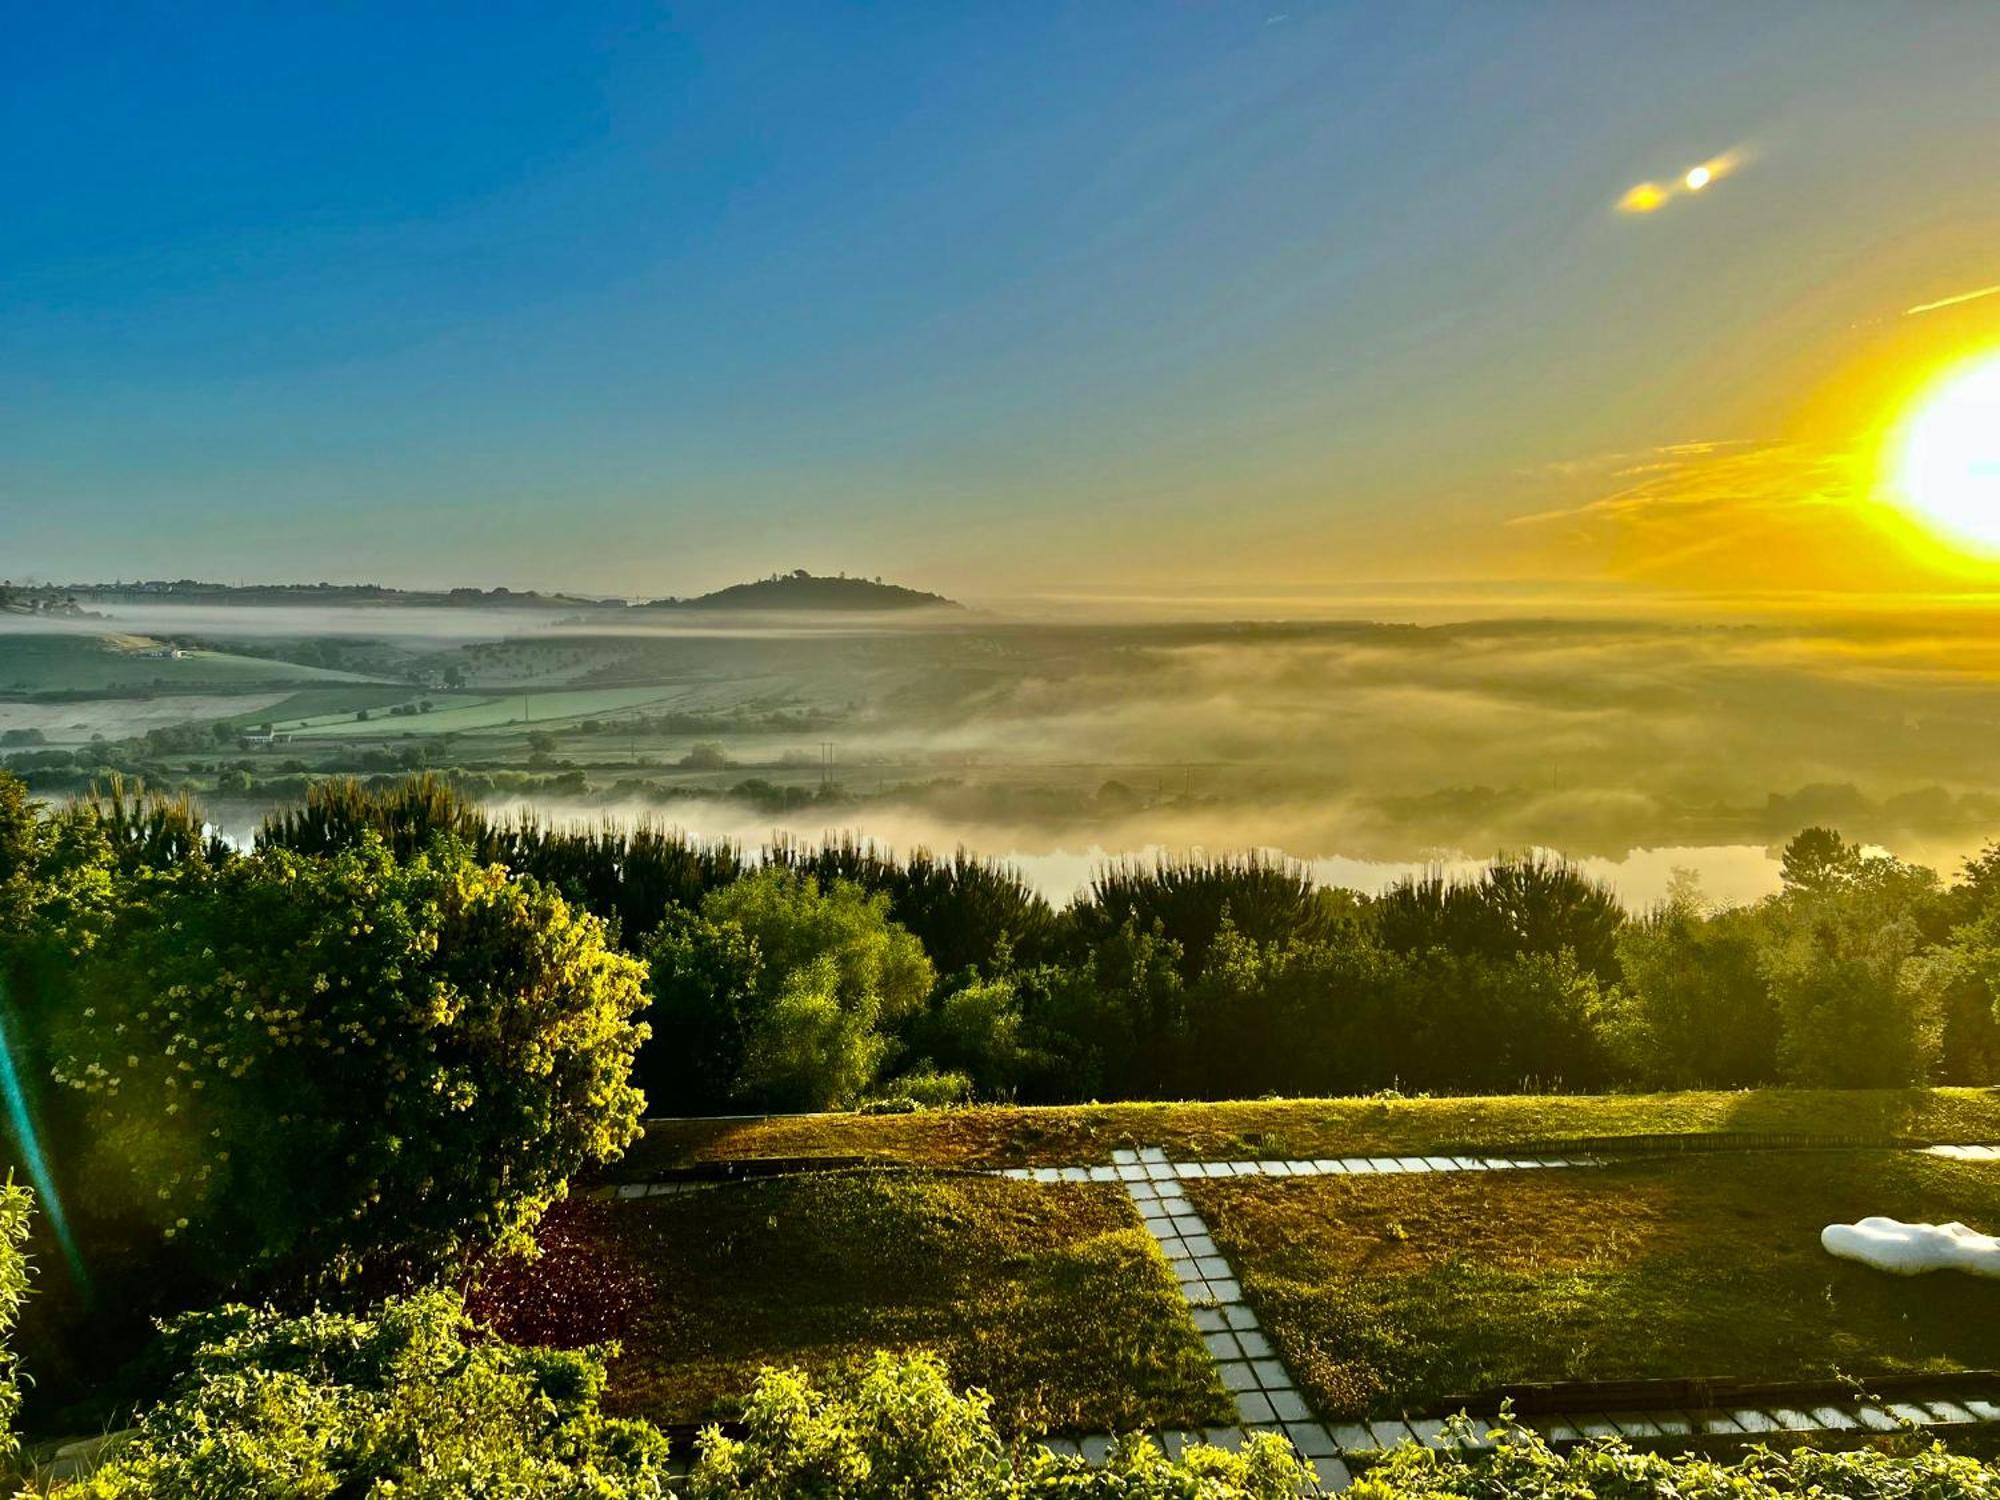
1947,458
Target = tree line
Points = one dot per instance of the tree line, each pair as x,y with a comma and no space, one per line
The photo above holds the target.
836,974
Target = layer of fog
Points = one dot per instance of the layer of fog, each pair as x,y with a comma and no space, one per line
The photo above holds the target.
1728,874
1375,743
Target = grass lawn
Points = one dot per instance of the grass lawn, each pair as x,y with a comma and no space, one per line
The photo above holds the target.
1386,1294
1053,1298
1062,1136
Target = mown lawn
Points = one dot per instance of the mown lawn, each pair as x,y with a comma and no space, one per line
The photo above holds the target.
1053,1298
1061,1136
1386,1294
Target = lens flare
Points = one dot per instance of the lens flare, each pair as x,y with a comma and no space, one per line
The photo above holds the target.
28,1148
1947,462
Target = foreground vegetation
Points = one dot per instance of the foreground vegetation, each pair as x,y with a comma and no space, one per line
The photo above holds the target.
313,1082
1389,1294
1522,1465
408,1402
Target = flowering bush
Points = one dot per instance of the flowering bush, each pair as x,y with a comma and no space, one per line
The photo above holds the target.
405,1402
313,1067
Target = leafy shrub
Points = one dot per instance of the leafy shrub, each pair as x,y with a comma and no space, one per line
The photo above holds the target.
974,1032
920,1089
406,1401
778,993
1854,1012
968,912
1697,1010
300,1067
15,1205
1522,1466
902,1433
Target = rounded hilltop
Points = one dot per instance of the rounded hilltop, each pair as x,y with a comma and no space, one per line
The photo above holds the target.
800,590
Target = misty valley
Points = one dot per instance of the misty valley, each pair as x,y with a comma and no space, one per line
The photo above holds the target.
1364,750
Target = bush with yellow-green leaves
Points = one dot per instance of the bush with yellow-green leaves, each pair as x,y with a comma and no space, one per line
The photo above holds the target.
409,1401
1521,1466
15,1205
312,1069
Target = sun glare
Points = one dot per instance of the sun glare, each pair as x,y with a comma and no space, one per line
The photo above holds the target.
1948,460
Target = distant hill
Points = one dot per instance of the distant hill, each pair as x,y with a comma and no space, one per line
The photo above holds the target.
803,591
194,591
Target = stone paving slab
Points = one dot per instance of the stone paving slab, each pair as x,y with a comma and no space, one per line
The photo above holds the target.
1149,1180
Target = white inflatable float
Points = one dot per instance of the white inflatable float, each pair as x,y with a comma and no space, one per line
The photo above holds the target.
1912,1249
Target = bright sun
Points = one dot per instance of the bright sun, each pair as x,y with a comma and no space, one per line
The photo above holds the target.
1948,465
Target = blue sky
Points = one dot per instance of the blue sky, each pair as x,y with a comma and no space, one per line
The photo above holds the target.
997,298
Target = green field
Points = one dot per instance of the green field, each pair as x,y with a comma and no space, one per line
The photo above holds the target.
324,704
33,663
1386,1294
1071,1134
463,713
1053,1299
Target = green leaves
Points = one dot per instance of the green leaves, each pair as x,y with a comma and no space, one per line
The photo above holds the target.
16,1204
321,1067
780,995
406,1401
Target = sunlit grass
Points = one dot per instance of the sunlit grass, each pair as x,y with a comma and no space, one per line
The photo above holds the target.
1053,1298
1386,1294
1065,1135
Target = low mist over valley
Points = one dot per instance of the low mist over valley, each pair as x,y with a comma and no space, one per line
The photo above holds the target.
1366,749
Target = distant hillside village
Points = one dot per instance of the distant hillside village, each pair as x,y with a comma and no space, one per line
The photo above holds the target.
21,599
